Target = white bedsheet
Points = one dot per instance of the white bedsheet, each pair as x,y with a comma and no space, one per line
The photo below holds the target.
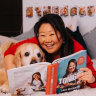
82,92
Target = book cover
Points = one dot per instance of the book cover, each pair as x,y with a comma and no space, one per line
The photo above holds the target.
51,84
28,80
68,69
44,77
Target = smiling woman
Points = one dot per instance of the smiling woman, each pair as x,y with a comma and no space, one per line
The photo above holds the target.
53,37
55,42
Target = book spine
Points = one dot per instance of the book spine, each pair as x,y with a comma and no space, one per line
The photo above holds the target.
52,73
55,76
48,82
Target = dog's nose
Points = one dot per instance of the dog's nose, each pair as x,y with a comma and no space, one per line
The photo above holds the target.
33,61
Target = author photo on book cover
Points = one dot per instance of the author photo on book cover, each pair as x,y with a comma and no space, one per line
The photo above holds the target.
70,81
37,83
56,42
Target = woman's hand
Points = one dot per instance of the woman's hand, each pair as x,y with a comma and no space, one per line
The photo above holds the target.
86,75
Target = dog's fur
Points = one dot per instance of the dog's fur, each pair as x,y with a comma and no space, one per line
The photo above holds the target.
26,54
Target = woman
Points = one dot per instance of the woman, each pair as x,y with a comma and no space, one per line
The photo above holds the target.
70,79
72,73
36,82
55,42
71,68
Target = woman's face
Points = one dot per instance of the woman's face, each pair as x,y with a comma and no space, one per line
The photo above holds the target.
36,76
48,39
72,67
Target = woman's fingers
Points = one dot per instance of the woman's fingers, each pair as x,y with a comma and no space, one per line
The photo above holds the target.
86,75
84,69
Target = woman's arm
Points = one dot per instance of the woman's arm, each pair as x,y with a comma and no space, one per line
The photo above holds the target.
91,77
12,49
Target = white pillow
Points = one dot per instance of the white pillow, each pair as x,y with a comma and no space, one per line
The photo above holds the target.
5,39
90,40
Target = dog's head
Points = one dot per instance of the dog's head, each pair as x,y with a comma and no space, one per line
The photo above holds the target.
28,53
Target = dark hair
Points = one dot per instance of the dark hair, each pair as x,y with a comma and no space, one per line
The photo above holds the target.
76,70
58,24
38,73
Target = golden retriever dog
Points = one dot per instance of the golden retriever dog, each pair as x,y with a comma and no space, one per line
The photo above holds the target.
26,54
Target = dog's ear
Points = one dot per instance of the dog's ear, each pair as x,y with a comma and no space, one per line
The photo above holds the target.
43,57
17,59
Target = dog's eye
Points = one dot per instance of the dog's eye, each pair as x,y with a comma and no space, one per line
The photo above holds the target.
38,54
27,54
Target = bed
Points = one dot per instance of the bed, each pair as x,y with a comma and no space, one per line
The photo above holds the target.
89,37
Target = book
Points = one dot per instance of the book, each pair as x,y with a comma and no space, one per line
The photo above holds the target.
44,77
28,80
64,76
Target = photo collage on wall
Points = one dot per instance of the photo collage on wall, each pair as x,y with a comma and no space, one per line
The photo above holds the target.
60,10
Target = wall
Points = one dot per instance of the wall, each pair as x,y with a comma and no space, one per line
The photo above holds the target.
86,23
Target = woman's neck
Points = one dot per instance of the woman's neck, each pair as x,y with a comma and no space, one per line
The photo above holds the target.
70,73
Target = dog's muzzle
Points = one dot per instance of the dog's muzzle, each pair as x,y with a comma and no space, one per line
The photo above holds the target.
33,61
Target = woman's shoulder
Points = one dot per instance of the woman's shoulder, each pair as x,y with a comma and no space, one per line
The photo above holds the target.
77,46
31,40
